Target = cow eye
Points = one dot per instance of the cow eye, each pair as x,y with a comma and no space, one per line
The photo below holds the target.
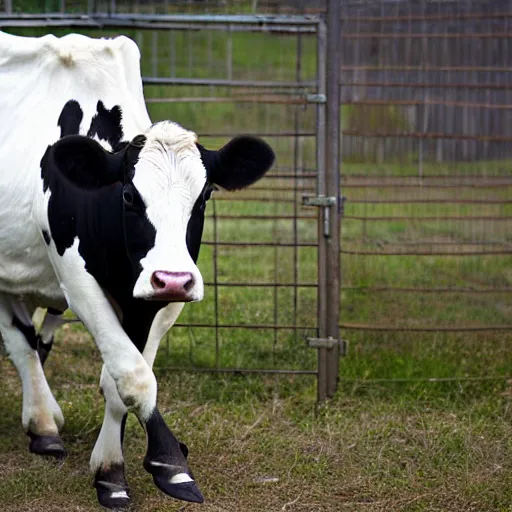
128,197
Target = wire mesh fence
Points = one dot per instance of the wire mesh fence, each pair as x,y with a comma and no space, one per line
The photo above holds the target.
426,229
426,242
223,76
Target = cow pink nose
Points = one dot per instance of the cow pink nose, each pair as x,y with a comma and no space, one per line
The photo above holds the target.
172,286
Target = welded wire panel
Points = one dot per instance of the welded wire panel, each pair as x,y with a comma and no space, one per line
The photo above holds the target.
258,256
427,244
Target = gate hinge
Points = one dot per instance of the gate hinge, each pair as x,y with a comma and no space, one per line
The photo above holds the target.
328,342
318,200
316,98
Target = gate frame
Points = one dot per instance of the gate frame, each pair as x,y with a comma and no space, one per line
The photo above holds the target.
327,98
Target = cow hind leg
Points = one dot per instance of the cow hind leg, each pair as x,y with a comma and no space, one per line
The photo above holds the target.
41,417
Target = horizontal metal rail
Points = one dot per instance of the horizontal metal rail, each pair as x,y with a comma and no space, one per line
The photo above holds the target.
427,85
258,134
427,35
426,68
261,285
221,82
425,253
428,135
428,17
235,370
406,380
235,23
247,326
261,217
428,219
418,185
369,327
416,103
290,100
397,289
260,244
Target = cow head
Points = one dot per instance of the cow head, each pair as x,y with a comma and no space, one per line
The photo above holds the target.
158,185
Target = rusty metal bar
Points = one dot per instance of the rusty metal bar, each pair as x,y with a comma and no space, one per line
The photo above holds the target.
322,299
368,327
427,35
238,197
426,85
259,244
425,201
263,217
430,219
238,99
262,284
422,253
406,68
406,380
407,103
428,17
427,135
394,289
220,82
237,370
332,172
258,134
246,326
409,185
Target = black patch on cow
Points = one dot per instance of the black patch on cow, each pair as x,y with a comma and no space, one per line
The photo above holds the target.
33,339
28,331
54,312
93,199
106,125
196,222
47,237
241,162
70,118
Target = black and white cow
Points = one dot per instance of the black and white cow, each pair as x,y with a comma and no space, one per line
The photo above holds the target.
101,211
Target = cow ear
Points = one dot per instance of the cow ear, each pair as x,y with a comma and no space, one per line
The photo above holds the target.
85,163
240,163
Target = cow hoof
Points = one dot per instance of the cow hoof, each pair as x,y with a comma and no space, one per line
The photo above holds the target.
111,488
174,481
186,491
51,446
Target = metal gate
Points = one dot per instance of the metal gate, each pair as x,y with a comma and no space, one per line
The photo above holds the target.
270,256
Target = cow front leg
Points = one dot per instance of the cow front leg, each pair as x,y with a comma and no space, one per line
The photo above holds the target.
107,461
41,417
133,377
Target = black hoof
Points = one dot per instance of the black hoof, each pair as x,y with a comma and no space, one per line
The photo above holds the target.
51,446
163,474
186,491
111,488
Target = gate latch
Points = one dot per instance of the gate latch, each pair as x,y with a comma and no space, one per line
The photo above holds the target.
324,202
328,342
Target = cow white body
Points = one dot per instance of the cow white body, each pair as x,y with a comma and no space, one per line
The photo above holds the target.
58,69
79,208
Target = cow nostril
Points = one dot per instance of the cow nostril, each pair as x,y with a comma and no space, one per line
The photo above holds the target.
157,282
189,284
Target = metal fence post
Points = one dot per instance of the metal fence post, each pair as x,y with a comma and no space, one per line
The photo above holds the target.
321,191
8,6
328,190
332,170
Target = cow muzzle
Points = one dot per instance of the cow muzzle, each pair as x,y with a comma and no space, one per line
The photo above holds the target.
172,286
